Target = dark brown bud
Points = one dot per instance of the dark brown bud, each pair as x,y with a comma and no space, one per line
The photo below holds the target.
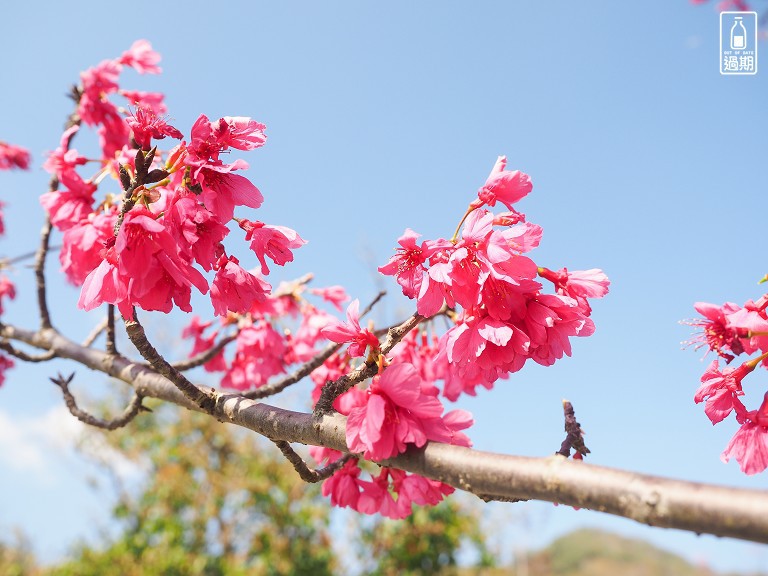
125,178
155,176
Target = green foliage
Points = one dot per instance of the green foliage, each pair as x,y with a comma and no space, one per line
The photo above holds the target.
16,559
217,502
427,542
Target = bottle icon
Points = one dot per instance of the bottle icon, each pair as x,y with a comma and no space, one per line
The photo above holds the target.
738,35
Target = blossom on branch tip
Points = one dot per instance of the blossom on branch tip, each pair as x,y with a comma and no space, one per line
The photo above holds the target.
505,186
146,125
350,331
63,161
141,58
333,294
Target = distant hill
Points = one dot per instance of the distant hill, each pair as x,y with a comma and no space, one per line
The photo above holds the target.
596,553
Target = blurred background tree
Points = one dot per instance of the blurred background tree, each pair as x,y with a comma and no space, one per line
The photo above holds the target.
216,500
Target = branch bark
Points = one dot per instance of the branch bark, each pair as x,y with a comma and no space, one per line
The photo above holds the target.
656,501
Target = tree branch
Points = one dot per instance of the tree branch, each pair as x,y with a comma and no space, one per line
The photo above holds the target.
652,500
203,357
301,372
25,356
204,400
42,252
305,472
308,367
111,346
130,412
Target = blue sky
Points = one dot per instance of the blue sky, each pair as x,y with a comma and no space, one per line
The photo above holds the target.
381,116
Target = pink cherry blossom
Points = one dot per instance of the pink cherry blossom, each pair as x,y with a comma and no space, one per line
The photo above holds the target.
63,161
141,58
336,295
7,290
718,334
196,229
350,331
504,186
407,265
721,390
259,356
235,289
5,364
154,101
195,330
344,486
70,205
12,156
82,245
749,447
146,125
275,242
222,190
396,414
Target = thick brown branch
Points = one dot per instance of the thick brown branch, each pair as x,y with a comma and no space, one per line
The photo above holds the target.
204,400
130,412
305,472
701,508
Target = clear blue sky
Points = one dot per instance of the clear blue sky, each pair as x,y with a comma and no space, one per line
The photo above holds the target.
381,116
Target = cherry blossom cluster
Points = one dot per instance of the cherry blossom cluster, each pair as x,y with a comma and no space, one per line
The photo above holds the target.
730,331
482,280
149,246
157,231
490,287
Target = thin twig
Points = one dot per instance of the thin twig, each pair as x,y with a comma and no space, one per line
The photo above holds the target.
304,370
45,234
42,251
305,472
6,262
25,356
308,367
95,333
130,412
335,388
373,303
203,357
